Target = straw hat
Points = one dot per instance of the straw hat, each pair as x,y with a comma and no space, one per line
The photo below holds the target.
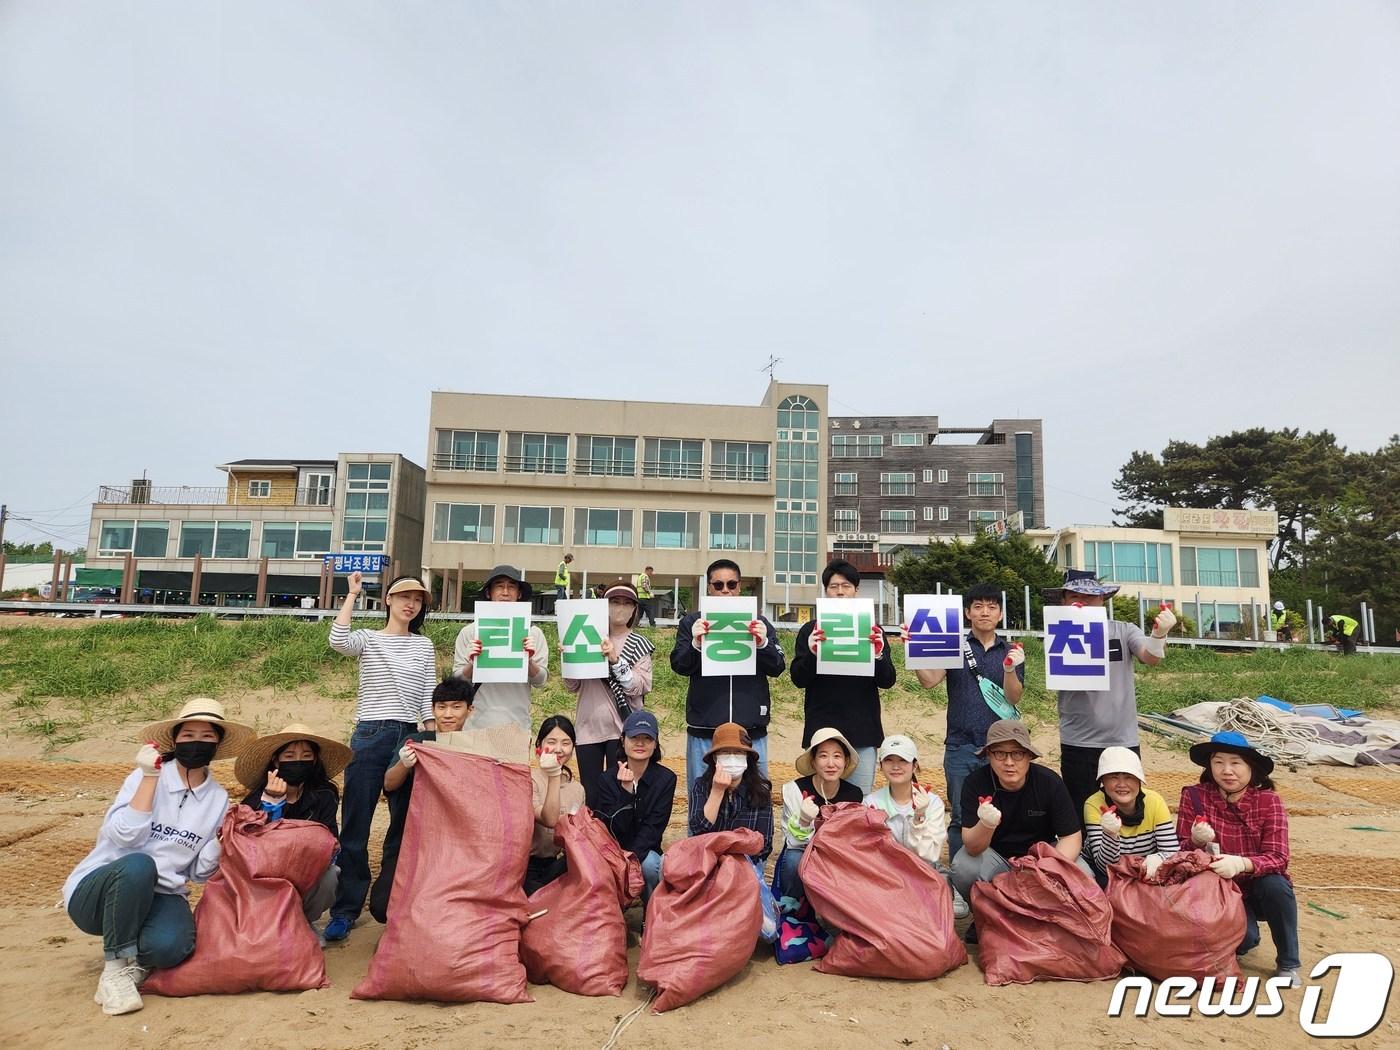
821,736
252,762
201,709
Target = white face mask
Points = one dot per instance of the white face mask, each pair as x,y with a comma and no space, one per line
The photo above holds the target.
734,765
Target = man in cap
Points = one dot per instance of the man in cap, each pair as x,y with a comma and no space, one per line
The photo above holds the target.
1092,721
1009,805
1283,631
503,703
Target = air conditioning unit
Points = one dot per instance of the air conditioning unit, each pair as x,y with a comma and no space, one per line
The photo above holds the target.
141,490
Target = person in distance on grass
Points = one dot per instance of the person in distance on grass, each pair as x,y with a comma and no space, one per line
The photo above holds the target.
452,706
397,670
291,774
159,834
1236,812
822,779
1125,818
556,793
635,798
850,704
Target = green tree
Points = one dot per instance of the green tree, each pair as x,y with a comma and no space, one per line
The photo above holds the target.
1009,564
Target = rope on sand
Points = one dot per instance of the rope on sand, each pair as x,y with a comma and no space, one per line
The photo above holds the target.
1263,728
1368,889
626,1020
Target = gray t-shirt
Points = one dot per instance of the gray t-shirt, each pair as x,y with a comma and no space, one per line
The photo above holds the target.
1106,719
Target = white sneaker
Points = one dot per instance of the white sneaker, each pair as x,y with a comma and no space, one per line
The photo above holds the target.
117,990
1294,981
960,906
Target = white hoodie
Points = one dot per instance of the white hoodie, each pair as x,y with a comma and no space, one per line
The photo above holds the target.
179,833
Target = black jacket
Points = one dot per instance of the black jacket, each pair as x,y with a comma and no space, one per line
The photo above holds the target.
849,704
710,702
637,820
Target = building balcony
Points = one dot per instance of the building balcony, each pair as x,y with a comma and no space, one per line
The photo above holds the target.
138,495
738,472
464,461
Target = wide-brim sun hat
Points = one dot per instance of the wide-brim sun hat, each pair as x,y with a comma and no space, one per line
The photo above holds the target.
1120,760
236,736
507,572
730,736
805,761
1079,581
1008,731
252,762
1234,744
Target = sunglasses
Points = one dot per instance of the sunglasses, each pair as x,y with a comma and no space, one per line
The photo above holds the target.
724,585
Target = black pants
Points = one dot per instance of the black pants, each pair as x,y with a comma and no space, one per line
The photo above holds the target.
593,761
541,871
649,611
1079,766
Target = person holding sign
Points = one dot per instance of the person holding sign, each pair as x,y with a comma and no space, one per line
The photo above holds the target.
850,705
398,668
713,699
993,672
503,702
604,704
1091,720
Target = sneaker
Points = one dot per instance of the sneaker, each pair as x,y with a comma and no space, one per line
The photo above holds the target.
970,937
138,978
117,991
960,908
337,929
1294,981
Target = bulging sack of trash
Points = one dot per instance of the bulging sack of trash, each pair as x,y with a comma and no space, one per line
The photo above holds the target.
458,904
1186,921
893,913
250,933
580,943
704,918
1045,919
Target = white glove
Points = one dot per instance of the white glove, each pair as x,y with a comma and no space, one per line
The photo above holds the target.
1151,863
759,630
1015,657
815,639
1202,834
809,810
408,757
698,630
1162,626
919,797
1110,822
1227,866
988,814
549,762
148,760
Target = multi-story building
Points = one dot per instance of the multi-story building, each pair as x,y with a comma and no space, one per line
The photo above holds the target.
899,481
290,511
626,484
1213,565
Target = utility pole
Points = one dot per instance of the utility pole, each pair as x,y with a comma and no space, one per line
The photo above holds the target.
4,513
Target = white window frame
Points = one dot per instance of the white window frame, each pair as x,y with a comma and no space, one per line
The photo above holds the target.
903,486
942,513
846,483
902,440
265,484
888,518
928,514
943,477
488,519
928,475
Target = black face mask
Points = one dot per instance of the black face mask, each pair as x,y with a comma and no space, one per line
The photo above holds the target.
195,754
295,773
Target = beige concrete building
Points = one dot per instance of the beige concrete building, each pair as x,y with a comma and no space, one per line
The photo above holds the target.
626,484
1213,565
291,511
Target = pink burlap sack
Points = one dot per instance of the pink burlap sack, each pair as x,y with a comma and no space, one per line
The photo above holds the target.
580,943
1045,919
893,912
1185,922
704,917
249,931
458,903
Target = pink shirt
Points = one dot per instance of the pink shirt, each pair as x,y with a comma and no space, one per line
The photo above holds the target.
597,720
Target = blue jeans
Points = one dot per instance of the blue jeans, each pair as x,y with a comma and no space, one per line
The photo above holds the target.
695,748
1270,897
789,881
864,776
651,874
374,745
959,760
120,902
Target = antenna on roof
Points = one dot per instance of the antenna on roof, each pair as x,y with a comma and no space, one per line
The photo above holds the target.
773,362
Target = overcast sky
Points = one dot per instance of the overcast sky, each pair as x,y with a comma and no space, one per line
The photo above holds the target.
270,229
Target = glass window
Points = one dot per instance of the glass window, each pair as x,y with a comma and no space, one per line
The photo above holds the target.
616,456
845,483
857,446
672,458
197,537
928,514
942,513
1249,566
977,519
896,521
260,489
739,460
1164,562
897,484
1188,567
1130,564
987,484
463,450
736,532
530,453
1217,567
675,529
231,540
116,537
313,539
543,525
943,477
464,522
279,539
906,439
843,520
366,524
595,527
928,477
152,539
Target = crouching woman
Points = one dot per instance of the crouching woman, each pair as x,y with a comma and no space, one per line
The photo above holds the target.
159,834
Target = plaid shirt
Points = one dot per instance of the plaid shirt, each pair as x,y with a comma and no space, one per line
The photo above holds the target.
734,812
1255,827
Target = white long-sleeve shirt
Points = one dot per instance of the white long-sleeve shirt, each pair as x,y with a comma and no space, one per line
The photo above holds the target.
924,837
179,833
397,674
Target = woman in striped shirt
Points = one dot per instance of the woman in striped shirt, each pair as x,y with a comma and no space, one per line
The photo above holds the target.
1124,818
398,669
